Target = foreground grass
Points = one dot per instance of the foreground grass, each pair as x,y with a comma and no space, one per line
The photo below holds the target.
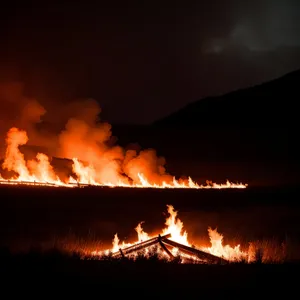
53,269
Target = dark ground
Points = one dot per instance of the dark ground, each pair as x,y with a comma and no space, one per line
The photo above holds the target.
55,273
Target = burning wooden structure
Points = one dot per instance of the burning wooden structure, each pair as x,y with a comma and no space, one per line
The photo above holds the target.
166,245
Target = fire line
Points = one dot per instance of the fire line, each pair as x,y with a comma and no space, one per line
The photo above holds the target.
143,170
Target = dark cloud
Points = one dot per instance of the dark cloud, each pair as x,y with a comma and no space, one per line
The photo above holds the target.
267,27
143,61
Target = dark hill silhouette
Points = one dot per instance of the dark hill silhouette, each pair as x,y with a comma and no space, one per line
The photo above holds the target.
250,134
269,104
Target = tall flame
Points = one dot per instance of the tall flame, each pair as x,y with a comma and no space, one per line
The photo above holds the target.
142,235
175,227
14,159
115,243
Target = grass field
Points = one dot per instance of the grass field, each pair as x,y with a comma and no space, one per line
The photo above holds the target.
35,220
55,271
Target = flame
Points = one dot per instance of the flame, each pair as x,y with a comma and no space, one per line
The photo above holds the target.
37,171
115,243
218,249
174,226
142,235
40,172
14,159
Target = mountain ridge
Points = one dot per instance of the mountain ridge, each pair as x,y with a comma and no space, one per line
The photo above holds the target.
265,103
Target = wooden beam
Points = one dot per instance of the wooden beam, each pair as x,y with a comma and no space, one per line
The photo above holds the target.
142,245
171,256
121,252
195,252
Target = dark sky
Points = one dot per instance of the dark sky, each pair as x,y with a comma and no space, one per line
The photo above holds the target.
143,61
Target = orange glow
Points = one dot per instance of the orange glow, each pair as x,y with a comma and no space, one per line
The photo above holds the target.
174,226
218,249
142,170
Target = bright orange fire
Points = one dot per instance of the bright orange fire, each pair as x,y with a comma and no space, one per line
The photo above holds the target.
102,169
174,226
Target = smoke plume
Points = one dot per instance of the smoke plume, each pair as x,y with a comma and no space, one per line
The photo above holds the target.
19,111
71,131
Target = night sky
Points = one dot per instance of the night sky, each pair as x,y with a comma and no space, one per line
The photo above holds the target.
143,61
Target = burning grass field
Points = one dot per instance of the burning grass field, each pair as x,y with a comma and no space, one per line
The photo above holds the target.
45,232
79,219
48,236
